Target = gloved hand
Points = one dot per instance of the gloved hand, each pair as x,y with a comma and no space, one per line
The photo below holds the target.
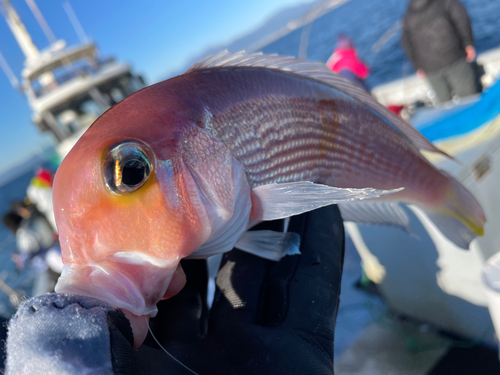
267,318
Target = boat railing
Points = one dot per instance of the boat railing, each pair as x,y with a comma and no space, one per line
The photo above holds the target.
67,74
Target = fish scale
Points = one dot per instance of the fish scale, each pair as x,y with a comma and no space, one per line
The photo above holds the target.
303,137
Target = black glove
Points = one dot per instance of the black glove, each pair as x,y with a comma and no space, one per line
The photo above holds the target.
267,317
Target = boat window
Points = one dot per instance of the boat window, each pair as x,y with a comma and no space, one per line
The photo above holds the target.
90,107
40,87
37,88
64,74
116,90
74,69
78,115
69,119
116,95
136,83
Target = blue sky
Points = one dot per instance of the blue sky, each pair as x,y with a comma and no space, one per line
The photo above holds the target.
155,36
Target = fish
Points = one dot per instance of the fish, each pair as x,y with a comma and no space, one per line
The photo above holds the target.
182,168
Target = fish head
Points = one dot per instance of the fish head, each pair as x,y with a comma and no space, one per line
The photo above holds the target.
127,208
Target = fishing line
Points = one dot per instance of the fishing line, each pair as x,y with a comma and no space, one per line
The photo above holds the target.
165,350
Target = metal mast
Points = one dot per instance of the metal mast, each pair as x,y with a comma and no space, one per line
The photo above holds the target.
24,40
20,33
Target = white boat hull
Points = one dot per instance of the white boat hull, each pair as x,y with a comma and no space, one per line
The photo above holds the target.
425,276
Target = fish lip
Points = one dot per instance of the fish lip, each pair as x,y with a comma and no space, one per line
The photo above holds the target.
69,283
108,283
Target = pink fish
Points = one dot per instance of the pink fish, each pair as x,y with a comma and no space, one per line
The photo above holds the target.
183,168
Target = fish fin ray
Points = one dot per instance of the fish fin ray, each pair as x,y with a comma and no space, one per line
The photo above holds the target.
460,203
384,213
269,244
452,229
319,72
277,201
392,214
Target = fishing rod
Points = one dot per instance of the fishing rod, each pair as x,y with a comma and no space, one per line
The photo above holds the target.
9,240
309,19
387,36
14,297
304,40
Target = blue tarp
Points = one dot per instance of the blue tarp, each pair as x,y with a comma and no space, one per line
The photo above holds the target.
466,120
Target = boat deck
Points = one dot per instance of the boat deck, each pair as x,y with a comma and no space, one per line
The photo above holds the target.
371,339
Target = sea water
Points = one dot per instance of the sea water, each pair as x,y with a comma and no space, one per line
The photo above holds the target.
365,21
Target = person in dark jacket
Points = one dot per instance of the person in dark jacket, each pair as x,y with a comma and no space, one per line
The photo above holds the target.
437,38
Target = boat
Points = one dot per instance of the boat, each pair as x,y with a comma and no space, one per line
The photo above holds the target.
67,87
420,273
412,90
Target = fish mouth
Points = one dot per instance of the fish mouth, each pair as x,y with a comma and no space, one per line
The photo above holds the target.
130,281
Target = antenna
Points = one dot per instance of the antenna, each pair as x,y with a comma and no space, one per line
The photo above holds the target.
41,21
74,21
9,73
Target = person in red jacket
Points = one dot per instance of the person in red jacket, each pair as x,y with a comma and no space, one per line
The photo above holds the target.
345,62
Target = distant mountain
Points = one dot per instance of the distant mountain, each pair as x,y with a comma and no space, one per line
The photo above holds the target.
273,24
276,22
32,163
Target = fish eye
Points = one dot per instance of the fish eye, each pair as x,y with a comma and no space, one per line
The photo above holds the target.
126,167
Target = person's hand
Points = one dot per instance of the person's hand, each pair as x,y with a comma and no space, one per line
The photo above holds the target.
420,74
470,53
267,317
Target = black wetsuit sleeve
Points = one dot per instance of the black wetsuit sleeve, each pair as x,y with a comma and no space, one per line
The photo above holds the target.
461,22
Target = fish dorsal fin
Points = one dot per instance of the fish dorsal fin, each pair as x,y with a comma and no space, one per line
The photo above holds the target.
319,72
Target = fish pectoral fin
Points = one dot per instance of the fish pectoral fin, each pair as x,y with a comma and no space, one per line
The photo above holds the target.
269,244
384,213
277,201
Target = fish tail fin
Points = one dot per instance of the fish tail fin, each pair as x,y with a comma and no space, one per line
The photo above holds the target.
459,217
461,205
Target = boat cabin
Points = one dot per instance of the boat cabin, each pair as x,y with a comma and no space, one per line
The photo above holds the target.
69,88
